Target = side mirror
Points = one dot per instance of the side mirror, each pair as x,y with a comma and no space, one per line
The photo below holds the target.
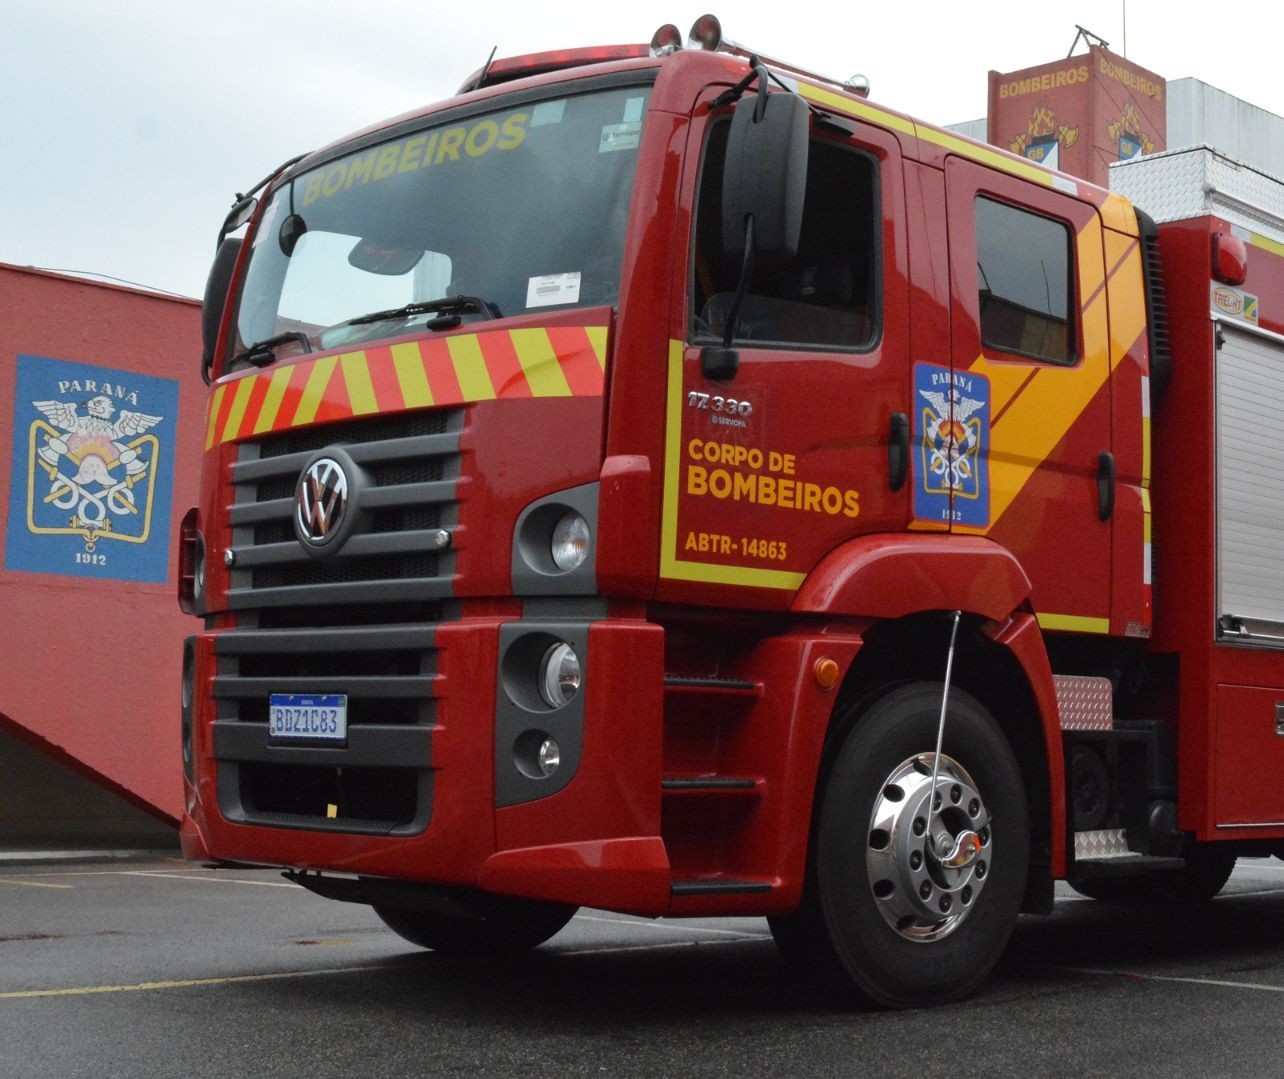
216,289
766,175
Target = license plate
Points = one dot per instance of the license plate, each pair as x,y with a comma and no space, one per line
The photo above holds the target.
308,717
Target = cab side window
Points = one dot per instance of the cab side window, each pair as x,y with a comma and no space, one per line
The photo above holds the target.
1023,269
827,296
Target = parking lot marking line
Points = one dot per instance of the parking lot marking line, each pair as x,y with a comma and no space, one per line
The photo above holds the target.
188,983
661,926
96,872
658,947
1132,976
32,883
206,880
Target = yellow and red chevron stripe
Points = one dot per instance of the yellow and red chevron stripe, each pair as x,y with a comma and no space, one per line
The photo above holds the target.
554,361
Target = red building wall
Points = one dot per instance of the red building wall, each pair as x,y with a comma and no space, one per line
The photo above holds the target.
101,411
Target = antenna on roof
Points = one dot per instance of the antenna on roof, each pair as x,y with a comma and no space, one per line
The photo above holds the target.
1088,37
481,79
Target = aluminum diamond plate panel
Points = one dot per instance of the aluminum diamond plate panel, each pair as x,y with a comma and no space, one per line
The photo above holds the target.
1102,845
1084,704
1197,181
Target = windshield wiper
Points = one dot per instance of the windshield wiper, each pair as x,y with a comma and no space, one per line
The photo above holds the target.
446,306
263,352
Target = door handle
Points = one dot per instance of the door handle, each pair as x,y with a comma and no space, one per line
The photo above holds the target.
898,451
1105,485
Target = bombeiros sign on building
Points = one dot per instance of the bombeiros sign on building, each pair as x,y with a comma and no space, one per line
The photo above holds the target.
1079,114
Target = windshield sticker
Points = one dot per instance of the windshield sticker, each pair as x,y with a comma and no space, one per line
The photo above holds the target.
633,109
548,112
414,152
269,219
620,137
553,289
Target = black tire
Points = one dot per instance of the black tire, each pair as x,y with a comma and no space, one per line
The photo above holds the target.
1206,872
504,926
843,929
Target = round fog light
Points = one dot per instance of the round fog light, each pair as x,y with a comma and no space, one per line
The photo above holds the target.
559,675
570,542
549,757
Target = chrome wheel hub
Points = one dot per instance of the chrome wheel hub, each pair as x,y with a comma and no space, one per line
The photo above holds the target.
927,863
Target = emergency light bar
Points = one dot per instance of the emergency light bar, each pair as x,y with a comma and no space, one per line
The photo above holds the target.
706,34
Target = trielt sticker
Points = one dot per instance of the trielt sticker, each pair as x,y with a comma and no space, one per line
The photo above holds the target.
553,289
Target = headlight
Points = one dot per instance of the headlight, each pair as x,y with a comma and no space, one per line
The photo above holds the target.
570,543
559,675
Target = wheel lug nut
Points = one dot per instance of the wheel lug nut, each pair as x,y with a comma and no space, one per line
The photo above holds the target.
973,808
925,889
920,826
916,859
980,870
945,904
966,894
955,794
984,836
936,803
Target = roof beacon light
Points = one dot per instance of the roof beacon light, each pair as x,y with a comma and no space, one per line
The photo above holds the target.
706,34
666,41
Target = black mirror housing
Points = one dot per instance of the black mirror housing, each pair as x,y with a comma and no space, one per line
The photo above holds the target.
216,289
766,176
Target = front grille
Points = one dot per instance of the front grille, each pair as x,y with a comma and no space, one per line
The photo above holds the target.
361,622
410,464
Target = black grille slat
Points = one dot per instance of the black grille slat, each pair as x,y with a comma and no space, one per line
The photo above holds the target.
374,543
273,642
366,686
390,591
371,429
372,454
248,513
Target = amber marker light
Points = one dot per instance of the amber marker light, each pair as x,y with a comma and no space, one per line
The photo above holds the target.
826,672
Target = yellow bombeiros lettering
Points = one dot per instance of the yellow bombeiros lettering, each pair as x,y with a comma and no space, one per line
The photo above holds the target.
412,153
765,490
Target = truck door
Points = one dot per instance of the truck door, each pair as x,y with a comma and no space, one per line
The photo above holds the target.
1028,394
768,471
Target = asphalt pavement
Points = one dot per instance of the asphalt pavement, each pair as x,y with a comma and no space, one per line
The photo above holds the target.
158,968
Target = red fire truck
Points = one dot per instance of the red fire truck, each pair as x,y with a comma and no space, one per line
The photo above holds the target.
661,480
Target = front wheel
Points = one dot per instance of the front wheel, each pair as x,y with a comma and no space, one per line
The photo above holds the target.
912,898
503,926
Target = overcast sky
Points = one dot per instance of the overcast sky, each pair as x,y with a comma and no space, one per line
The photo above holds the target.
125,128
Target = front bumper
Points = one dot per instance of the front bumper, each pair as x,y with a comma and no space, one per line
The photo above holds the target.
428,787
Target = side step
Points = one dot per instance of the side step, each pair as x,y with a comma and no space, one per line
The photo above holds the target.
1105,853
721,687
741,786
719,886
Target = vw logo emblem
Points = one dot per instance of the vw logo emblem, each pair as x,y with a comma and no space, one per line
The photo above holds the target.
321,500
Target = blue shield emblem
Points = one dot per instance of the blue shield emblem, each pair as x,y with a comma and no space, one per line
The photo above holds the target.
91,486
952,436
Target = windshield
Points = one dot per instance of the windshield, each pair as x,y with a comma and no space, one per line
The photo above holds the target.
522,208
